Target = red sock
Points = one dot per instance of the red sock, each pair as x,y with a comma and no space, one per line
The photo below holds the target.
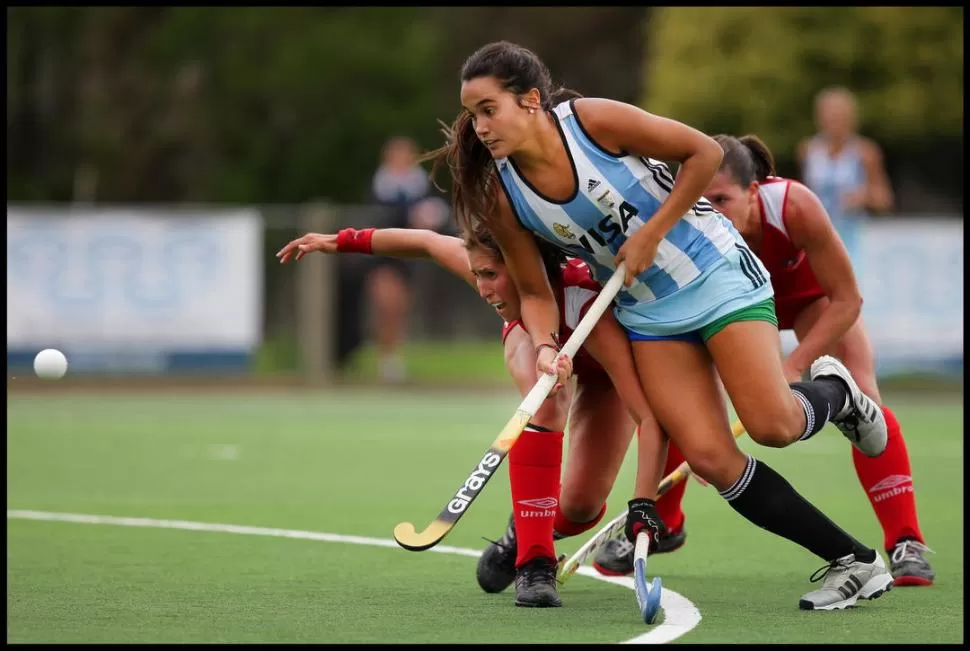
563,527
535,462
888,482
668,506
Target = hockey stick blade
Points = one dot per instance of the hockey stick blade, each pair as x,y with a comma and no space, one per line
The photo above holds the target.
405,533
648,596
409,538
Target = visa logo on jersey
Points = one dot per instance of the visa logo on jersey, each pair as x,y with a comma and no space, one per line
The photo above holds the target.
606,229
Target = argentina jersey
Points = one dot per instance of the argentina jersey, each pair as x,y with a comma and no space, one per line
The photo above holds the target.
615,197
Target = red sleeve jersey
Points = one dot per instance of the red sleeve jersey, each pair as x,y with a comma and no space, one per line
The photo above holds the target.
577,292
792,278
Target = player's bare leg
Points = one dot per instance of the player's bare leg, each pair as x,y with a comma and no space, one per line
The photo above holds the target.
674,373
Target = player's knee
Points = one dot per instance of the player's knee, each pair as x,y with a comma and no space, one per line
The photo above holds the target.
578,507
581,501
776,428
710,462
772,438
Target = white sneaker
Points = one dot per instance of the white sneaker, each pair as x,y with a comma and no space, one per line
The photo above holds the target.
846,581
861,420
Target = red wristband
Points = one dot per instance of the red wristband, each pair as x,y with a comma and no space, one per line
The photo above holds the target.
350,240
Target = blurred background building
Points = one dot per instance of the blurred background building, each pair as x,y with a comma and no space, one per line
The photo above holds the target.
157,158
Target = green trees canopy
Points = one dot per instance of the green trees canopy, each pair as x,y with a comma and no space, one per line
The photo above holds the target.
210,104
744,69
262,104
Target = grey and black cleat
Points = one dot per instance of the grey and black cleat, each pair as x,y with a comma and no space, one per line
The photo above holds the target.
615,558
496,566
861,420
535,584
846,581
908,566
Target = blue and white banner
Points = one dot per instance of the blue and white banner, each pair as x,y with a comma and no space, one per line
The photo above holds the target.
911,278
139,289
910,273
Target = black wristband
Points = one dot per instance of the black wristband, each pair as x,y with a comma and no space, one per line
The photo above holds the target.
554,345
541,346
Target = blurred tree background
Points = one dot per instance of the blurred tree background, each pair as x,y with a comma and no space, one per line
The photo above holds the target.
751,69
194,104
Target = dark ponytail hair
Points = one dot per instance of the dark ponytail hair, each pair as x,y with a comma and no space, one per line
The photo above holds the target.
472,169
746,158
477,235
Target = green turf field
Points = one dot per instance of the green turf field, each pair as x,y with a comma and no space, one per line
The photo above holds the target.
357,463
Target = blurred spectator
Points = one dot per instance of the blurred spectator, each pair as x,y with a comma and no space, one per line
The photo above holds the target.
403,187
843,168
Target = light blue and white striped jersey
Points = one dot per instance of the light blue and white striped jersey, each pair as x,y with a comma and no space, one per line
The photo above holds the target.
833,177
615,197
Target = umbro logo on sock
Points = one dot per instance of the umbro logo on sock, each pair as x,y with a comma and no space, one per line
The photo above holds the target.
545,506
541,503
892,481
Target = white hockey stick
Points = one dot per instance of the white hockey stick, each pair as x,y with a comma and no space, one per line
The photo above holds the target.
405,534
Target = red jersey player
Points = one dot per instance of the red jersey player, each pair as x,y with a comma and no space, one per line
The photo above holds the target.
816,295
600,427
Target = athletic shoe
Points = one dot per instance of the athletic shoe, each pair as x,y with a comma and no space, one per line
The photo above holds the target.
846,581
862,421
496,565
535,584
615,558
908,565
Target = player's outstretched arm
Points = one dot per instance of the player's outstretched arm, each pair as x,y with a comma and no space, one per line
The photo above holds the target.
447,251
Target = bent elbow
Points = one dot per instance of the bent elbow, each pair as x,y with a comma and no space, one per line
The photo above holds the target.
712,153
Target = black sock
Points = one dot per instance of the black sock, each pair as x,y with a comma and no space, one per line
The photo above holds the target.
766,499
821,399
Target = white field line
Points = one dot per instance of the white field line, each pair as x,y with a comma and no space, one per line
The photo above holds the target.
680,615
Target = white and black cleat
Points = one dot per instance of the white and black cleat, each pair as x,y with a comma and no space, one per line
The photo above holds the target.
846,581
861,420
